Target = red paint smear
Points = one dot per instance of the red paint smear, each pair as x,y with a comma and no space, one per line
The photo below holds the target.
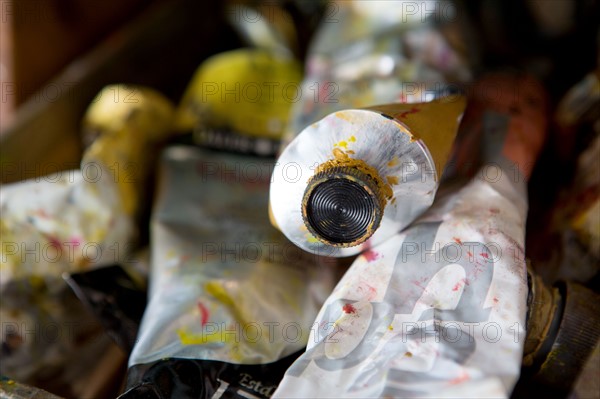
461,378
348,308
470,254
203,314
372,292
485,255
370,256
495,300
456,286
54,242
413,110
457,240
75,241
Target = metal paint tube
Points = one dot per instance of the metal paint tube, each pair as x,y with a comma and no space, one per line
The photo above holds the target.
367,53
73,221
260,84
439,309
231,301
357,177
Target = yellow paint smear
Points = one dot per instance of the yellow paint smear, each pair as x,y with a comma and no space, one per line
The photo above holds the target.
345,116
187,338
217,290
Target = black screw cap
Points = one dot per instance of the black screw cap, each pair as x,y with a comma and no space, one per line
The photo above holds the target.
342,206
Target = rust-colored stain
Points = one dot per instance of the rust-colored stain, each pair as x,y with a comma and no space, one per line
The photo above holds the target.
342,159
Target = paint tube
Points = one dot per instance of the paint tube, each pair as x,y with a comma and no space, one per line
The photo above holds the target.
367,53
357,177
383,53
438,310
260,84
68,222
231,301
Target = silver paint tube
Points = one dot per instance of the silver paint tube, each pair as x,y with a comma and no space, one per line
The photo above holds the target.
230,299
364,54
438,310
357,177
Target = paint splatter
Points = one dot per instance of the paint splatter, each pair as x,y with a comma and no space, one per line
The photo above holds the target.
495,300
462,282
188,338
369,293
54,242
75,241
352,139
470,255
457,240
371,256
392,180
339,154
420,284
408,354
413,110
203,314
342,144
461,378
348,308
484,255
393,162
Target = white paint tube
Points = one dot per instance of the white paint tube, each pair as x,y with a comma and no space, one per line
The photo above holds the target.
231,301
357,177
439,309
